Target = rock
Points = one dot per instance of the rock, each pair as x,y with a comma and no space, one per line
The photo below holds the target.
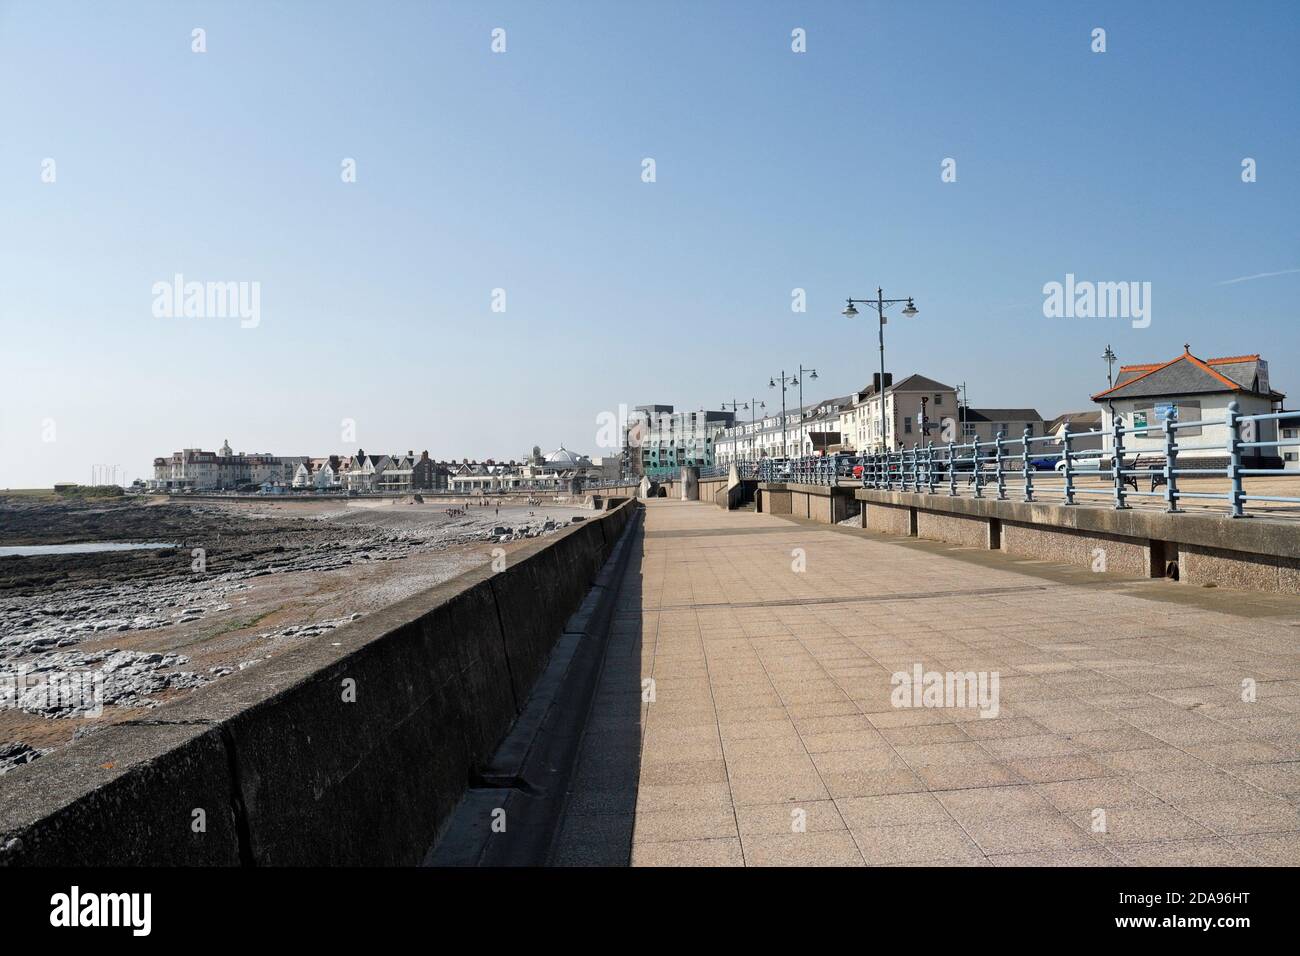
15,754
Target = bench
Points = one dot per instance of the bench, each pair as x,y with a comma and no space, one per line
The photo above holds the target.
1152,465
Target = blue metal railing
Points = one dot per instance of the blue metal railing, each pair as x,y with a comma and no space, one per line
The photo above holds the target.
986,467
1004,465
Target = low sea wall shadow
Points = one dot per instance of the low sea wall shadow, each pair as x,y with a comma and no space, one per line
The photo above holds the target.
600,810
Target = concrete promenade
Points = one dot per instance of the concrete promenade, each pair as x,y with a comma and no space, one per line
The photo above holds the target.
1121,735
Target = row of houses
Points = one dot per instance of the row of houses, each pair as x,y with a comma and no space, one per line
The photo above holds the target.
916,409
559,471
919,409
370,473
194,469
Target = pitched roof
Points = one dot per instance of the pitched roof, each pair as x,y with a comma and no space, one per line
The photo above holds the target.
1003,415
912,383
1187,375
1079,422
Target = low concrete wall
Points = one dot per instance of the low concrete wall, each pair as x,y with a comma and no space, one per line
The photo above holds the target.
957,529
727,498
1232,569
828,504
776,500
1255,554
1104,552
354,754
709,488
887,519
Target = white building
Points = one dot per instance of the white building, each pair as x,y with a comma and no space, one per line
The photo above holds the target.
819,427
771,436
915,407
1290,432
555,472
364,472
1195,390
193,469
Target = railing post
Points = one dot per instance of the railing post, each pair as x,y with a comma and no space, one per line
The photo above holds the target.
1068,471
929,466
916,468
952,471
1235,505
1028,471
1117,461
1171,463
976,475
1001,475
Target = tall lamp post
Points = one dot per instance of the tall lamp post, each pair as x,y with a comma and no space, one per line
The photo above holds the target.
881,303
752,406
787,381
812,374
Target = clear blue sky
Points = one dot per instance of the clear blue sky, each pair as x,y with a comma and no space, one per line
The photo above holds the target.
522,170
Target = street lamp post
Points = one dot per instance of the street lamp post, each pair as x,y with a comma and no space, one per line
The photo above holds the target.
752,406
812,373
787,381
880,302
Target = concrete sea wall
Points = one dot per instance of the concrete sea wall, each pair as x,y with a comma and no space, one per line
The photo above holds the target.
350,750
1253,554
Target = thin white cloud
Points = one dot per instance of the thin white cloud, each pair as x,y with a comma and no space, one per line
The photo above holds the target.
1260,275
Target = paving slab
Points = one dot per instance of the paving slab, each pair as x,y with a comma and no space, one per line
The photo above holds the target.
813,717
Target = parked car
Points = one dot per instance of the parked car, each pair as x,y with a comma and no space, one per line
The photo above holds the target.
1083,464
1042,464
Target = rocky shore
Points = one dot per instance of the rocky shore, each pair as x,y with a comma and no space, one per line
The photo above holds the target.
237,583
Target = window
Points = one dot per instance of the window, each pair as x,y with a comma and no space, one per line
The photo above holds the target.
938,399
907,425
